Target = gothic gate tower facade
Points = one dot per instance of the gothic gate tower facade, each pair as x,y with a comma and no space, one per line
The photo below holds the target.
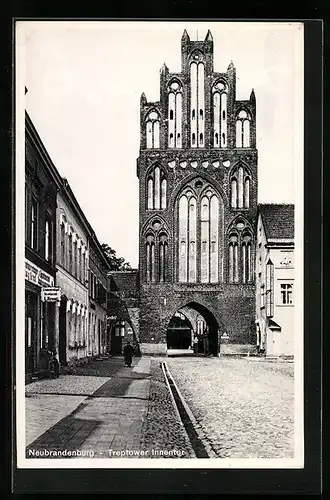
197,172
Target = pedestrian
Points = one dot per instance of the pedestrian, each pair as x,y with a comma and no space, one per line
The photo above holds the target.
128,354
195,344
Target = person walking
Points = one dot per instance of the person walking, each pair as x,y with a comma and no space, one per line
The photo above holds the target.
128,354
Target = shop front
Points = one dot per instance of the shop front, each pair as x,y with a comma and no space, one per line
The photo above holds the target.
40,318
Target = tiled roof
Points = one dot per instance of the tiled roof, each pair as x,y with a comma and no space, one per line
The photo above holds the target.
278,220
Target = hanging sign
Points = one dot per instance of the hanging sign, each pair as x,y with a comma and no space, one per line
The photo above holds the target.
51,294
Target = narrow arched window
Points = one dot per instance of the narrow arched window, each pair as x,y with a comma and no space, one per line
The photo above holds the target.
239,128
234,193
174,115
192,215
233,258
214,236
243,130
197,103
156,191
240,185
246,257
247,192
150,257
163,257
149,127
163,194
183,236
219,115
205,239
152,130
201,94
150,204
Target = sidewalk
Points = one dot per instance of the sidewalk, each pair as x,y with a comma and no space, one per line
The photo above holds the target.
85,411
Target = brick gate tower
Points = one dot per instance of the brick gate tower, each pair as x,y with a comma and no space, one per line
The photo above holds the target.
197,173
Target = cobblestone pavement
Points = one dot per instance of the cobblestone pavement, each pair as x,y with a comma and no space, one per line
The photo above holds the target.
245,409
162,430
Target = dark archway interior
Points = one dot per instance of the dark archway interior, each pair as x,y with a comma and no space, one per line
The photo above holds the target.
179,331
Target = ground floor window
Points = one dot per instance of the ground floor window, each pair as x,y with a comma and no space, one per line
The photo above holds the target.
286,292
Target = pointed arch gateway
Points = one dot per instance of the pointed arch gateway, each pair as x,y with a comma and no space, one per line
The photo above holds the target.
193,329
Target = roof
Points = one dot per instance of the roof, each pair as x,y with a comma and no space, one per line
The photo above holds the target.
278,220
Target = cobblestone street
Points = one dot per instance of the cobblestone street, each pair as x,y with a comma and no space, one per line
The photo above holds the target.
241,409
244,409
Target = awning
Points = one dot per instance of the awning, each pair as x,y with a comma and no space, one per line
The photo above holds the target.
273,325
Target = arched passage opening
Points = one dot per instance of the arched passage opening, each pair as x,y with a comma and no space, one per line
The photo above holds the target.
179,332
195,329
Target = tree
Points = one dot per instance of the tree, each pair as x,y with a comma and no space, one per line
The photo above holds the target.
115,263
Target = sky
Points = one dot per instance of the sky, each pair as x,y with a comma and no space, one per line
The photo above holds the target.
84,82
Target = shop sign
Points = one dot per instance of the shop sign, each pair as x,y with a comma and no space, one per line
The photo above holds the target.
37,276
51,294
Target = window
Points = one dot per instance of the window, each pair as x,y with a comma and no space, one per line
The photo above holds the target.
233,258
240,187
286,293
152,130
120,329
197,122
156,189
156,252
240,253
198,213
75,258
242,130
246,258
79,265
62,243
219,114
34,224
47,235
163,251
70,251
174,115
269,289
150,258
48,240
262,296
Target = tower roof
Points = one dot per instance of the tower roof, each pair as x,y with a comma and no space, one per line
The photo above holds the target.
185,36
209,37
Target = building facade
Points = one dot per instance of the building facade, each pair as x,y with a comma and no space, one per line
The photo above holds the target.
41,184
197,172
73,233
98,338
275,280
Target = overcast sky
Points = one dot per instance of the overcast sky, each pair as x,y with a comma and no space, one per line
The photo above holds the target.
84,83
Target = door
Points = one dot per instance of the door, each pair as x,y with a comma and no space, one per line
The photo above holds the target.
31,316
